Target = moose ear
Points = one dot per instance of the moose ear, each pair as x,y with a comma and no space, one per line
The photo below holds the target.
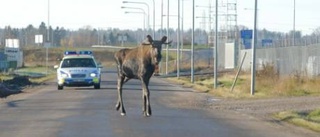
147,41
149,38
164,38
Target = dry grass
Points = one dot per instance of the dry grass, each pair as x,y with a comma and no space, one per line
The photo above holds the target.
35,56
268,84
184,65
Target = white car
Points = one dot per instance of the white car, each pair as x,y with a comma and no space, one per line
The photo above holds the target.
78,69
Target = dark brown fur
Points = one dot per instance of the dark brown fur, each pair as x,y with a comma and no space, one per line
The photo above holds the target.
138,63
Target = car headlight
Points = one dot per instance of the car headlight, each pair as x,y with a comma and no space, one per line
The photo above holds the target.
63,74
93,75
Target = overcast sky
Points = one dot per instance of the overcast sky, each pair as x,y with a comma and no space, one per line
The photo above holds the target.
275,15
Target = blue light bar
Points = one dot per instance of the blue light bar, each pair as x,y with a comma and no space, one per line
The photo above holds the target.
70,53
85,52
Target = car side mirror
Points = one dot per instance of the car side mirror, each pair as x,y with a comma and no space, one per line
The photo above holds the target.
56,66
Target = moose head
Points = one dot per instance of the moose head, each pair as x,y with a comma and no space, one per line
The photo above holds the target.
156,46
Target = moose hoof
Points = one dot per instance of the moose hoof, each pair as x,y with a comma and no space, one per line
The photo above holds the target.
146,114
117,107
123,114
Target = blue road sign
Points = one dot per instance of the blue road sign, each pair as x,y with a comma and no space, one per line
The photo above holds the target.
266,42
246,34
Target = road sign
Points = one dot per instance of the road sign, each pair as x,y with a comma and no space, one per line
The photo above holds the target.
266,42
246,34
38,39
47,44
247,43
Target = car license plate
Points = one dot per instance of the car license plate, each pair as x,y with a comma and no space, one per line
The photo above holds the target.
78,80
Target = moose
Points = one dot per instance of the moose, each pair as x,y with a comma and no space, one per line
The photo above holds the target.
138,63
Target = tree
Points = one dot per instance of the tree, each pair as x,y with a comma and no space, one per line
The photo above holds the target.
30,33
58,35
8,32
43,31
112,39
316,32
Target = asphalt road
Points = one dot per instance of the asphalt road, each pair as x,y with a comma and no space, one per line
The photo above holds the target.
86,112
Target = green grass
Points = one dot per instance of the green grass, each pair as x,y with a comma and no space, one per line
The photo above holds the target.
310,120
5,77
37,74
40,69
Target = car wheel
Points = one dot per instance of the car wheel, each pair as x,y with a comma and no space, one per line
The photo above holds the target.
97,86
60,87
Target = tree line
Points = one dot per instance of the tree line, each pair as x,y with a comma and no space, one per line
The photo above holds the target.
88,36
60,36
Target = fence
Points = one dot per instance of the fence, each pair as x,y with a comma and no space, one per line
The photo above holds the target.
289,60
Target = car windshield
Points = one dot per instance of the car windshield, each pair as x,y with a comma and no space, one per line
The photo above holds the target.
78,62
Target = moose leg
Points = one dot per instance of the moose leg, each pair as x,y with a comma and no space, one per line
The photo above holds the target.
120,102
143,103
146,99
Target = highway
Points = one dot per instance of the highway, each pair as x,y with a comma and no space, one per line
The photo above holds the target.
86,112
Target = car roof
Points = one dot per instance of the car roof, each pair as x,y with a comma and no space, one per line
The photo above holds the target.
77,56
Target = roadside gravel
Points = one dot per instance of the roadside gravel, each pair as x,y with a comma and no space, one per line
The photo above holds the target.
261,109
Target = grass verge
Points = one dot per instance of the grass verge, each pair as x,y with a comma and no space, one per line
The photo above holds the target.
35,74
268,84
310,120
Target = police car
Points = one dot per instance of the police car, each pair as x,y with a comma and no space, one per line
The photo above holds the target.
78,69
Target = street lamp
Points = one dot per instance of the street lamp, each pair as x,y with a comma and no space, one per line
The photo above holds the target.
141,9
253,59
182,30
48,31
48,36
215,81
178,41
192,43
167,46
124,7
161,18
144,3
144,19
215,73
154,18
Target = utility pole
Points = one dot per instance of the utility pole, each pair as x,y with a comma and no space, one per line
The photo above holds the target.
253,65
48,37
294,22
167,46
216,50
178,42
192,44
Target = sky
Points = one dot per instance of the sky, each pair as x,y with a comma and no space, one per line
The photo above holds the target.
274,15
